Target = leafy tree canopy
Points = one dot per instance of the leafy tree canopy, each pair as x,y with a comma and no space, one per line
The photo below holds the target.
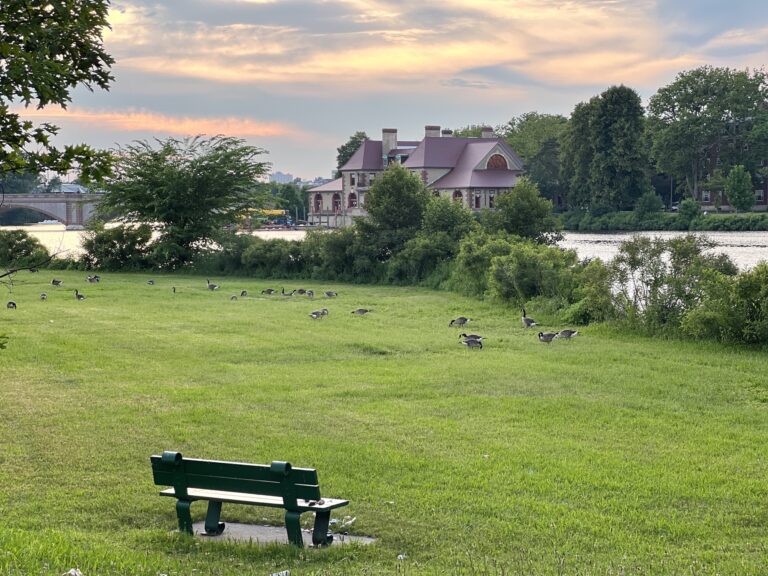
46,50
529,132
189,188
739,189
709,118
523,212
345,151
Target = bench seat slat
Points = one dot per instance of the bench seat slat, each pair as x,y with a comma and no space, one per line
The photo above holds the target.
258,499
244,470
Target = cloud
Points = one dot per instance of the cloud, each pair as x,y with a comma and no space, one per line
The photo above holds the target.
149,122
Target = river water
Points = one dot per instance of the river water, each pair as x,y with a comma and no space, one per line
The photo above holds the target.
745,248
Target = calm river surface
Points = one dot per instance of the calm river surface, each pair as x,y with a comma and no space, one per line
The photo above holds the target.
745,248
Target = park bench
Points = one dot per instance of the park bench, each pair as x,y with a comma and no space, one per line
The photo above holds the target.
276,485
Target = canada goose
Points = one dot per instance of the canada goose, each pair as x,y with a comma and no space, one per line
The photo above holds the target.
233,297
310,294
43,296
460,321
211,286
284,293
470,336
331,294
546,337
567,334
317,314
56,282
33,269
79,296
11,305
97,277
528,322
301,291
173,289
360,311
268,291
92,279
473,343
243,293
151,282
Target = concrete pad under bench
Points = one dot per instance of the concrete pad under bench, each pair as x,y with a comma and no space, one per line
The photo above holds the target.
268,534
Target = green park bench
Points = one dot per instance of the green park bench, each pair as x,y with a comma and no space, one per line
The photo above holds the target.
276,485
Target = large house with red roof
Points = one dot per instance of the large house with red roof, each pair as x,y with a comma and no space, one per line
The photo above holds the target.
473,171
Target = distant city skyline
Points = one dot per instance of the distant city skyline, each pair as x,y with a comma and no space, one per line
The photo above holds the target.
299,77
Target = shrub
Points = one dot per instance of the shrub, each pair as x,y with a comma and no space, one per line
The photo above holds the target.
531,270
119,248
648,204
20,250
593,296
470,272
273,258
688,211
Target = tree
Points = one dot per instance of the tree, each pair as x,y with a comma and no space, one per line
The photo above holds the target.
291,197
618,168
395,203
19,183
536,138
523,212
577,153
738,188
709,118
189,189
345,151
46,50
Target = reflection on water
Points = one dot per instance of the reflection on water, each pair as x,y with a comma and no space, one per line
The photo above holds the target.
745,248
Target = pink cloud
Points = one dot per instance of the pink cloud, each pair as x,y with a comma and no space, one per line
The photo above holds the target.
145,121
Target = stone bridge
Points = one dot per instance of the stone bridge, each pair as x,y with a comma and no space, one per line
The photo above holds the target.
72,210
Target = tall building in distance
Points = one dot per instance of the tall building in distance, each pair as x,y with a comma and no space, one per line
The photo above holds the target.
472,171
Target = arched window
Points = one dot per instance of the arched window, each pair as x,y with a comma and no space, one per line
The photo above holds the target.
478,200
497,162
336,202
491,198
352,200
318,202
457,196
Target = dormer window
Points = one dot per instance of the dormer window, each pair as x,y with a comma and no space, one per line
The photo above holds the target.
497,162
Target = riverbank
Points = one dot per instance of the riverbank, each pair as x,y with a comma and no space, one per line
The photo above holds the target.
664,221
745,248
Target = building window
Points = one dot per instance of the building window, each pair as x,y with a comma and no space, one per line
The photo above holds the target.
478,201
759,195
491,198
318,202
336,202
436,193
371,177
352,200
351,179
497,162
457,196
706,197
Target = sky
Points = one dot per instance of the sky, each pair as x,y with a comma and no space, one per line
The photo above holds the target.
299,77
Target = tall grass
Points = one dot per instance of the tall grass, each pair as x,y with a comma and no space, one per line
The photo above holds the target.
609,454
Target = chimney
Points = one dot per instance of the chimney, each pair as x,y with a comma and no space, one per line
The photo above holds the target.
447,133
487,132
388,140
431,131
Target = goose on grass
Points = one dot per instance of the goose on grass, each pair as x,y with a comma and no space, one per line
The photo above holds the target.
11,305
473,343
211,285
567,334
460,321
528,322
470,336
78,295
361,311
56,282
547,337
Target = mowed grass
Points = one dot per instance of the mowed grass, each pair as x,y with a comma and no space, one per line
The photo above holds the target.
609,454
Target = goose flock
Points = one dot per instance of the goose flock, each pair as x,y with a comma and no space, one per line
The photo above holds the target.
471,341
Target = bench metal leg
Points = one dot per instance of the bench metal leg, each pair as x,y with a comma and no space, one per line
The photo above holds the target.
293,526
212,525
185,518
320,534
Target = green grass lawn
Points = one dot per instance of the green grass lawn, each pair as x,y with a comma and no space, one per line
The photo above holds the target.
610,454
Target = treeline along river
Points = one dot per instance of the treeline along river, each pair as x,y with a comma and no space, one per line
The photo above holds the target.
745,248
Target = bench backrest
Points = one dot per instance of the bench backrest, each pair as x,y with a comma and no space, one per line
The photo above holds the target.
276,479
